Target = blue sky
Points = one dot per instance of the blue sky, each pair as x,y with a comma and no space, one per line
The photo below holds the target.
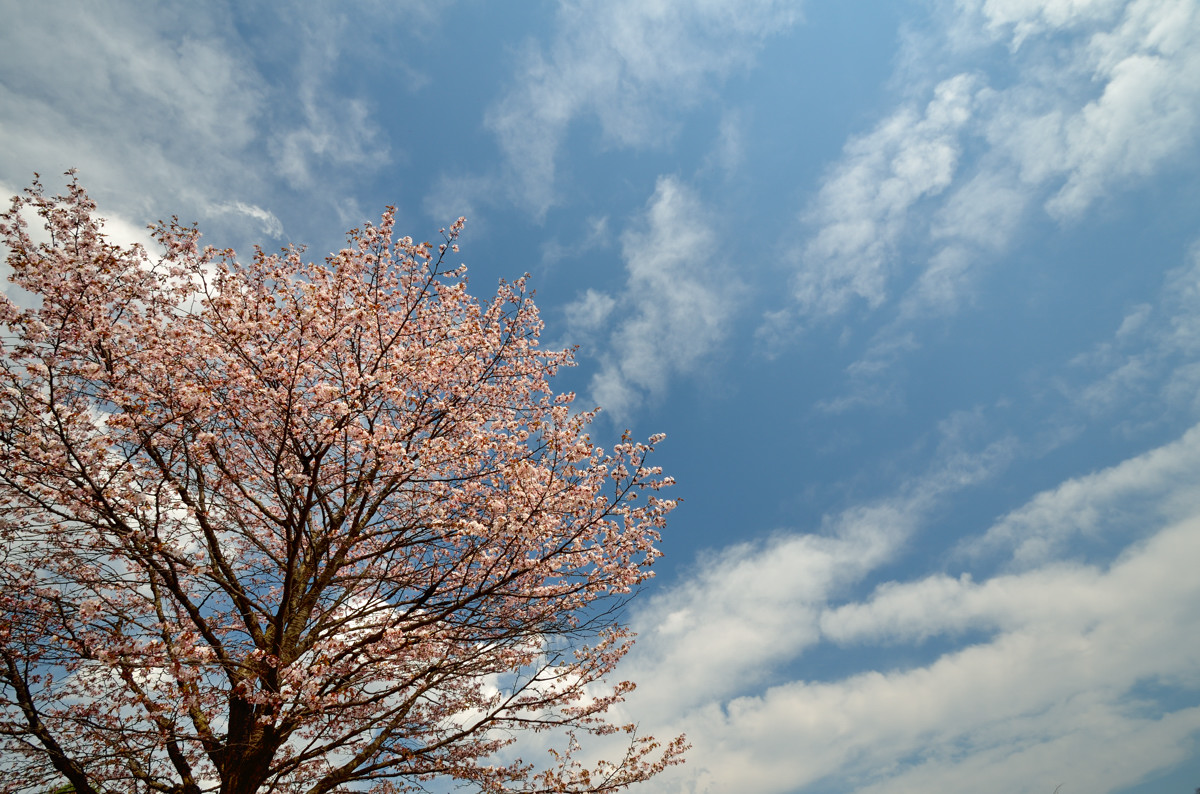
912,287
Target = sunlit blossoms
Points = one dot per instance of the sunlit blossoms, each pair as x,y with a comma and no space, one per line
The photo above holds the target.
300,527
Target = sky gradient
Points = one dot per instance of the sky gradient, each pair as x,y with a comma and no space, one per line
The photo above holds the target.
913,288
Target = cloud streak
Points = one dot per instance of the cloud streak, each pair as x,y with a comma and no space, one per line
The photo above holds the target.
750,608
862,209
622,65
1147,370
675,308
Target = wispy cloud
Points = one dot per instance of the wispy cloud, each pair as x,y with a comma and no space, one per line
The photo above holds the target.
622,64
1100,507
163,108
597,236
675,309
1146,372
729,150
99,89
1098,96
328,132
1106,94
862,209
1125,101
265,220
588,314
336,133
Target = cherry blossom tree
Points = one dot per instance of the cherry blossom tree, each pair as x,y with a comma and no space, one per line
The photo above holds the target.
295,527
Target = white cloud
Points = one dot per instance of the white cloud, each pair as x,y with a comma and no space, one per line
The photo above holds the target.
1150,110
163,108
983,211
1050,694
1094,98
1037,700
131,98
119,231
729,149
453,197
862,210
1020,19
1099,505
588,314
1121,100
749,608
328,131
265,219
621,64
334,132
975,221
1122,106
597,236
867,388
676,306
1148,368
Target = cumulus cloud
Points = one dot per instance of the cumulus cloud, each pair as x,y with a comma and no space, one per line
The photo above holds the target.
621,64
1041,702
1070,645
674,310
118,229
751,607
1016,20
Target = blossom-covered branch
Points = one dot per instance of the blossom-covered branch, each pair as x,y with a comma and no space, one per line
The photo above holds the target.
300,527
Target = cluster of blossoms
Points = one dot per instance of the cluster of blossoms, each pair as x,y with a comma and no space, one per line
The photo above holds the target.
299,527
